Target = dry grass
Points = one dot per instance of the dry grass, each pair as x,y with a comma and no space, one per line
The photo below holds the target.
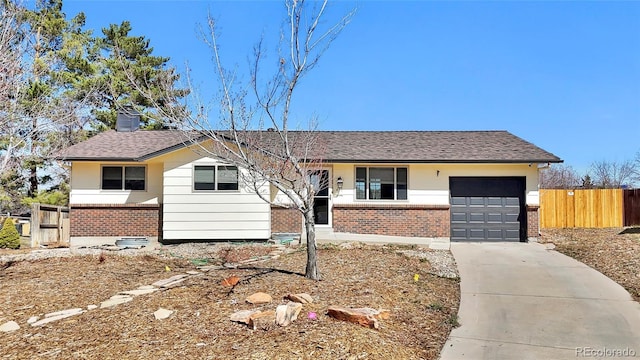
613,253
422,312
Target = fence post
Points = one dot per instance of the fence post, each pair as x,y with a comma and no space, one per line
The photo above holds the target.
59,225
35,225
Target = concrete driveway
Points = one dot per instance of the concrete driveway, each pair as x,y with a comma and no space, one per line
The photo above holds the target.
522,301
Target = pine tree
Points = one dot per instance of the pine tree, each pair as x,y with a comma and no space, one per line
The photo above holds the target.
9,237
60,84
53,99
128,70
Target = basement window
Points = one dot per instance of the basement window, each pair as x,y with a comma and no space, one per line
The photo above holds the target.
215,177
124,178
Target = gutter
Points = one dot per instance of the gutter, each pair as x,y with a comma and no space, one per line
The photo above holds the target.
369,161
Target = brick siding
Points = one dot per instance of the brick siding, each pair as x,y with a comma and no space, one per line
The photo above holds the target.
532,221
285,220
393,220
91,220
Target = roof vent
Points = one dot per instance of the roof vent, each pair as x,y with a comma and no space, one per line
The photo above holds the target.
128,120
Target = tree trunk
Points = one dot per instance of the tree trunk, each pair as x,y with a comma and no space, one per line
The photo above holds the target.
312,257
33,169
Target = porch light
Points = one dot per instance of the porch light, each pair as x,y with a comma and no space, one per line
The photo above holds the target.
340,182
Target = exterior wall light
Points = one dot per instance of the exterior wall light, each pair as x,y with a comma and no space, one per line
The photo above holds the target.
340,182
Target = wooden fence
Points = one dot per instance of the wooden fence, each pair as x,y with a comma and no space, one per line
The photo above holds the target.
631,207
594,208
49,225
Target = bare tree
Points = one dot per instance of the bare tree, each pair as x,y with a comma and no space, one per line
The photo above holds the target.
559,177
12,51
278,161
36,118
635,177
612,174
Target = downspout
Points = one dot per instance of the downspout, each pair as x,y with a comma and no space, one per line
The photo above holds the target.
540,167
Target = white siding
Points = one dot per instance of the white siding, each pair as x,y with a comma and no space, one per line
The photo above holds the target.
221,215
85,185
215,216
213,234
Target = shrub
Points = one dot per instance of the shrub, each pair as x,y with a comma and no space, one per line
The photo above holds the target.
9,237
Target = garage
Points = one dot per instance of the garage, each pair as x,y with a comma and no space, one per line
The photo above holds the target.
488,209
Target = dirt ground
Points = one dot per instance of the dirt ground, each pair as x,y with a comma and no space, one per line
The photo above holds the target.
615,252
422,313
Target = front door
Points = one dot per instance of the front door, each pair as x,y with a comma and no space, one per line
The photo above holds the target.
320,181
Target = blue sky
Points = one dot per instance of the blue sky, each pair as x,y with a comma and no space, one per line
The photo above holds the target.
564,75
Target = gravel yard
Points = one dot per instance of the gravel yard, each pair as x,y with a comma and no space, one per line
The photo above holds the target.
423,308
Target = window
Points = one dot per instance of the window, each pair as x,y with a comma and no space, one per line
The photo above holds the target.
381,183
205,177
123,177
320,181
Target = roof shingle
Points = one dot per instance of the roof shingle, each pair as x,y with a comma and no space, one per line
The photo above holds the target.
125,146
339,146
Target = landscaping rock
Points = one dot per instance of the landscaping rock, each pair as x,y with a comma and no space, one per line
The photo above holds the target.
32,320
351,245
92,307
60,315
259,298
244,316
264,320
139,292
146,287
250,261
230,281
172,284
9,326
300,298
366,317
162,283
73,311
162,313
115,300
286,314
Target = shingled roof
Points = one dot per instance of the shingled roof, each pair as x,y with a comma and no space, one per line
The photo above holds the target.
125,146
339,147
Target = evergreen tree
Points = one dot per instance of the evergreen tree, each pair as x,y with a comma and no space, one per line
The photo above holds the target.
12,190
9,237
59,84
128,70
53,98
